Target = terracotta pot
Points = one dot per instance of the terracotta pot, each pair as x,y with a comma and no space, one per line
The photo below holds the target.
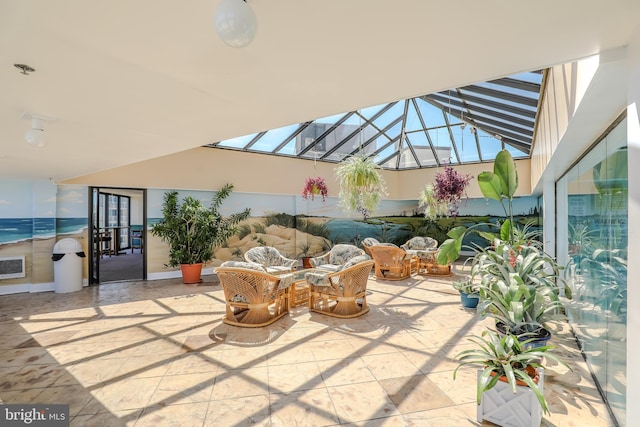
529,370
306,262
191,273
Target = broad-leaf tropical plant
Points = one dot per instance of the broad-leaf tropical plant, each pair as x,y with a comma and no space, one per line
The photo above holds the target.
192,230
506,356
500,185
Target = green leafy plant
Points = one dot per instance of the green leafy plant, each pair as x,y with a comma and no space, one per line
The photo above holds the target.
518,287
361,185
506,356
192,230
500,185
465,285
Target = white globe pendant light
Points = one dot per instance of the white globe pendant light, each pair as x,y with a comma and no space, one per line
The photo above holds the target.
235,22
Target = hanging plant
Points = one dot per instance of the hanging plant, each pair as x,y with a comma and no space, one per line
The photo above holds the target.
315,187
444,195
433,208
361,185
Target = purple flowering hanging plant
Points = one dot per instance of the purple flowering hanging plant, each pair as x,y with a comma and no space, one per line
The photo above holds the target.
315,187
444,195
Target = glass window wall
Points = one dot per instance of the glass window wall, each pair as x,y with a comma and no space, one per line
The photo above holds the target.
597,217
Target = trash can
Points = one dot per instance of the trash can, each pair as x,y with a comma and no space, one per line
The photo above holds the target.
67,265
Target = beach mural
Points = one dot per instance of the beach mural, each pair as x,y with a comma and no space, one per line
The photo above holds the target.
27,227
298,227
35,214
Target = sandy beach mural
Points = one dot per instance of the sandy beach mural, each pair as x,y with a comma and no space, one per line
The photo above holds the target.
298,227
33,215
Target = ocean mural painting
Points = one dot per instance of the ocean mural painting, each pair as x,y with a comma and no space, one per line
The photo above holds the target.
32,216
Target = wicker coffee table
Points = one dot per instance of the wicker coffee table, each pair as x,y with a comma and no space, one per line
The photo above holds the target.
299,290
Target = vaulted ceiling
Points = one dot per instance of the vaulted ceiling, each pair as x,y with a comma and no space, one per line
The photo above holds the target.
119,82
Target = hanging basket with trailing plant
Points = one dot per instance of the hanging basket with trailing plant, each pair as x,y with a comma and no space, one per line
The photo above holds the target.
444,195
361,185
315,187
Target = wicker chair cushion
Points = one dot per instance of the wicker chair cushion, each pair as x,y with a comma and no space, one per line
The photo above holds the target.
244,264
420,243
370,241
336,257
271,258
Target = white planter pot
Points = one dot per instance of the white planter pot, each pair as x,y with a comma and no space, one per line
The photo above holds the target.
504,408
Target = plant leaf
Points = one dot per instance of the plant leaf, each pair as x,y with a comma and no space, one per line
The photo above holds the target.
490,185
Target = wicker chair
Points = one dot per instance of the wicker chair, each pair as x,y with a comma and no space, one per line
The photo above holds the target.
336,258
370,241
271,259
342,293
254,298
392,263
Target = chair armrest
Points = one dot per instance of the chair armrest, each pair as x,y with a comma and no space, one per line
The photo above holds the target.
286,280
319,260
288,262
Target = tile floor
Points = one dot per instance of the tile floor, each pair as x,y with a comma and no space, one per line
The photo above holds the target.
157,353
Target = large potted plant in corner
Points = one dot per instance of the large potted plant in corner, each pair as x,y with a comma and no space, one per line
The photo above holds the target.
509,370
193,230
361,185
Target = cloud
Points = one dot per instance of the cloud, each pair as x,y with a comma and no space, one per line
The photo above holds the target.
5,202
64,210
72,197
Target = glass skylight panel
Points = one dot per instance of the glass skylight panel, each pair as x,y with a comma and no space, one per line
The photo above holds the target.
431,115
273,138
412,121
331,119
239,142
389,116
371,111
531,77
289,149
515,153
489,145
466,143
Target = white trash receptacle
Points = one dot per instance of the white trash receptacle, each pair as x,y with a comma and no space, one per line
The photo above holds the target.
67,265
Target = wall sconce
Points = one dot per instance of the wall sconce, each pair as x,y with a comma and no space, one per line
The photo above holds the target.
235,22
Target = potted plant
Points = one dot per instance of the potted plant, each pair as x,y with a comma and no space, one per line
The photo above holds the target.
305,249
519,288
469,293
361,184
192,230
505,362
315,187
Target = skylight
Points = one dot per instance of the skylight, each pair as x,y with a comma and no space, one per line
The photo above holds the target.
464,125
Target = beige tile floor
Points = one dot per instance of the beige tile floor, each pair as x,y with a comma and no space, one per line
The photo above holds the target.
157,353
